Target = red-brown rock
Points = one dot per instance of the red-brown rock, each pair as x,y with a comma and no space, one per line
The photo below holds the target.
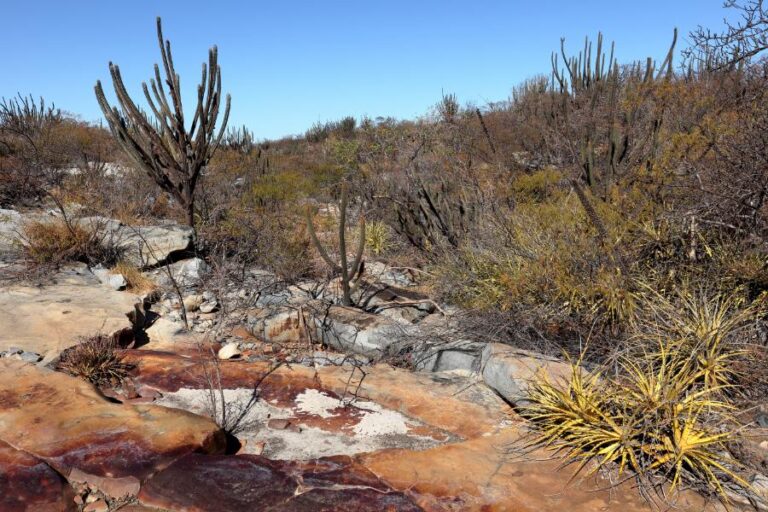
29,484
210,483
68,424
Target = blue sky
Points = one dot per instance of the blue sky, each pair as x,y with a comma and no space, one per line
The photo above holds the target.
289,64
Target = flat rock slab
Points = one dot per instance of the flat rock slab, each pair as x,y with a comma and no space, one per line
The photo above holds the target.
143,246
27,484
474,468
208,483
68,424
51,318
286,414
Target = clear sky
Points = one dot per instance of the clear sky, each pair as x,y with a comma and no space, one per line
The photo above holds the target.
289,64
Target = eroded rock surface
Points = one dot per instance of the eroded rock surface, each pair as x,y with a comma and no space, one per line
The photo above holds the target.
27,484
212,484
50,318
72,427
469,465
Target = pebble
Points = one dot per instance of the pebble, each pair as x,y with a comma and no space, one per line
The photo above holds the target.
229,351
97,506
30,357
208,307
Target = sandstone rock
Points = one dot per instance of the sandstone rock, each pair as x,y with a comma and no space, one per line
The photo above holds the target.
450,356
251,482
469,468
147,246
48,319
27,484
351,330
229,351
509,370
193,302
68,424
383,273
187,273
142,246
283,324
114,281
96,506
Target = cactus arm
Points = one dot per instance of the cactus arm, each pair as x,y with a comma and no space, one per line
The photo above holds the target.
316,241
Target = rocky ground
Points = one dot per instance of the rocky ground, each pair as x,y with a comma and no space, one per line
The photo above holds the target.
314,417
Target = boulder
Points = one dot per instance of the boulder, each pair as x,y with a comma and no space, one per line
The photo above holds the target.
68,424
283,324
152,245
509,370
351,330
385,274
450,356
187,273
193,302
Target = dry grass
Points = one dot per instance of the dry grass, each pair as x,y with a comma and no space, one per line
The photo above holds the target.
57,241
97,359
136,279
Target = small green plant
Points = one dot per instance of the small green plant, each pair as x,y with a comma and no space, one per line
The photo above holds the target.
377,237
96,359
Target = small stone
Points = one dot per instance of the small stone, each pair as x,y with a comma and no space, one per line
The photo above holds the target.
209,297
114,281
193,302
278,424
208,307
30,357
15,350
97,506
229,351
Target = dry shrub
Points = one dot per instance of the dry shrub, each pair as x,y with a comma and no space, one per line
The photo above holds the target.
96,359
136,279
59,241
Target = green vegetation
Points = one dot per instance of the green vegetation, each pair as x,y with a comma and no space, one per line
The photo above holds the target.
621,206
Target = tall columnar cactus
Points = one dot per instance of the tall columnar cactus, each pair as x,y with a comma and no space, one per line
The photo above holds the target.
349,273
172,154
591,85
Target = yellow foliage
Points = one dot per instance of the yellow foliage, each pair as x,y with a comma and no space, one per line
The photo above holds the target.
655,419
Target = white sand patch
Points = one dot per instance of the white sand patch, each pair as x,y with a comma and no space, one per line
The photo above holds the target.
378,428
312,401
378,421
